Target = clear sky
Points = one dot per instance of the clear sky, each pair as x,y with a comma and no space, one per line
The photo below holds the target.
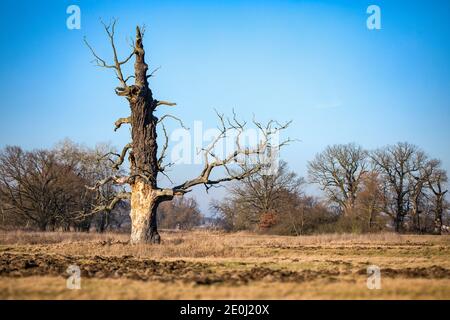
314,62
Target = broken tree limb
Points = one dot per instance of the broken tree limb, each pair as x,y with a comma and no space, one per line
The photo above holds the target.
121,121
122,155
108,207
165,103
112,179
173,117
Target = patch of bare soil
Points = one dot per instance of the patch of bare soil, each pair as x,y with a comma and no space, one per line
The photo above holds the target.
39,264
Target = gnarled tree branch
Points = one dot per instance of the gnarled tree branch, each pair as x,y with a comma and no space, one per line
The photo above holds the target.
108,207
165,103
120,122
124,90
122,155
112,179
262,148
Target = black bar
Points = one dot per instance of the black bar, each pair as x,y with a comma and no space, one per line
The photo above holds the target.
224,309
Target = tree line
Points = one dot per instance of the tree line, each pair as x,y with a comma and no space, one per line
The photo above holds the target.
49,189
396,187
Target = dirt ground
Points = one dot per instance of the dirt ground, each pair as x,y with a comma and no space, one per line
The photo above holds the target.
214,265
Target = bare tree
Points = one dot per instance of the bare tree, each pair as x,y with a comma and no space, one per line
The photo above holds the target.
437,180
181,212
339,170
89,164
370,200
38,189
145,164
396,164
418,185
46,188
259,200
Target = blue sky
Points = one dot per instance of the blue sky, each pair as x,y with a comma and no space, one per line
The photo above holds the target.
313,62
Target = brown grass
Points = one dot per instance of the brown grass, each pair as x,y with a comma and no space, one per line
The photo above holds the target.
219,265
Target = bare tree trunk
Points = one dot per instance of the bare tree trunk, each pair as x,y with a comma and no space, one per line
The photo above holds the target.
438,224
370,222
43,226
144,200
399,215
154,235
415,214
144,204
438,215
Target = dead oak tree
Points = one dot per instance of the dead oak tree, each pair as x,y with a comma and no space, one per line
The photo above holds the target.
146,163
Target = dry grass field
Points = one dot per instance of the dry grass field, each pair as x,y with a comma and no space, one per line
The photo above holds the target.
214,265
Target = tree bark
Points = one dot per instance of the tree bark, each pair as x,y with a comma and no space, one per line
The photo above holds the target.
399,215
43,226
438,214
144,199
144,205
